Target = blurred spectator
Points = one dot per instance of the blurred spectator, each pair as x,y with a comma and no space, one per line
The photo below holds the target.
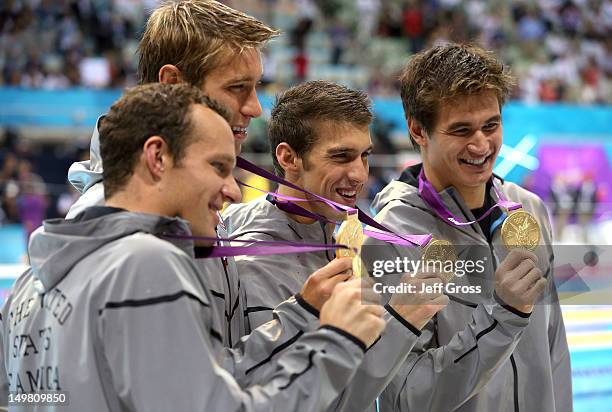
300,32
32,198
339,36
300,66
413,25
561,50
9,189
368,11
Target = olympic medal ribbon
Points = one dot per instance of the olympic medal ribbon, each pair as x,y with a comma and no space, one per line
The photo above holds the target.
410,240
431,196
255,248
519,230
289,204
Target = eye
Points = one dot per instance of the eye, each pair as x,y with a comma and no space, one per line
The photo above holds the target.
237,87
464,131
491,126
221,168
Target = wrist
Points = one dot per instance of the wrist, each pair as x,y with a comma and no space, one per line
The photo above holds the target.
410,321
520,310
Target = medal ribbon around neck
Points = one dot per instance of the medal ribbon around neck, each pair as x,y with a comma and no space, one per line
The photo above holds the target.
520,229
290,206
431,196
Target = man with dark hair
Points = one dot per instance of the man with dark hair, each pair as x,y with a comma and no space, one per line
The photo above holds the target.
504,348
320,141
114,310
217,49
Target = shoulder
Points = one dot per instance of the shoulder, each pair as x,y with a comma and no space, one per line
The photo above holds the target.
394,191
142,262
258,215
148,250
530,201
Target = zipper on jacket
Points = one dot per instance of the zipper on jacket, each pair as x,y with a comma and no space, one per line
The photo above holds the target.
512,361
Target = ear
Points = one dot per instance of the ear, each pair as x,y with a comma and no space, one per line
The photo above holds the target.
169,74
288,159
418,133
157,156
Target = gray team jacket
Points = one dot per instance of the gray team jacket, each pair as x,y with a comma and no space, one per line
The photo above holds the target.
122,320
473,356
268,280
292,316
224,283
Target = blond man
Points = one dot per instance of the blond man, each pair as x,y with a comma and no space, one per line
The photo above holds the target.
216,49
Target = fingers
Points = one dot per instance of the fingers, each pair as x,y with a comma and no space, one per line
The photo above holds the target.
335,267
362,290
537,288
516,257
441,300
375,310
328,285
529,280
369,297
431,275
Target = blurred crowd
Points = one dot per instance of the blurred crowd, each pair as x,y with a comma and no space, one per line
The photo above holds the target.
27,197
561,50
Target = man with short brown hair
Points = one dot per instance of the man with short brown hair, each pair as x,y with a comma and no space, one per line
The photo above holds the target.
320,141
188,28
503,348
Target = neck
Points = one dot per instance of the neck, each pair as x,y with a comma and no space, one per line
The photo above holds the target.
472,196
288,191
135,202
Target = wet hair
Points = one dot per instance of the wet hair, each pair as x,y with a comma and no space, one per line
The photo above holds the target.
298,112
436,75
154,109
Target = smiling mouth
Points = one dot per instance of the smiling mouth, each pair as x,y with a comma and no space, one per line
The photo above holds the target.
348,195
240,132
477,162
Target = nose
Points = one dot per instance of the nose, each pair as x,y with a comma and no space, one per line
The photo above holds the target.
479,143
231,191
251,107
359,171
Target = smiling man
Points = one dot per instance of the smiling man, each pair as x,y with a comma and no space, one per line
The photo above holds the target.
114,309
320,141
217,49
503,349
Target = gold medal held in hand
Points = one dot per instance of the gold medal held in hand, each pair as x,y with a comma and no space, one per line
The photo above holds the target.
520,230
438,250
351,235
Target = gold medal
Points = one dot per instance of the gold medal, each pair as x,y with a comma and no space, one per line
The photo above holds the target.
438,250
351,235
520,230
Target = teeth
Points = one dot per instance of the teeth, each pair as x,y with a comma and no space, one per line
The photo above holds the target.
237,129
347,193
476,162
